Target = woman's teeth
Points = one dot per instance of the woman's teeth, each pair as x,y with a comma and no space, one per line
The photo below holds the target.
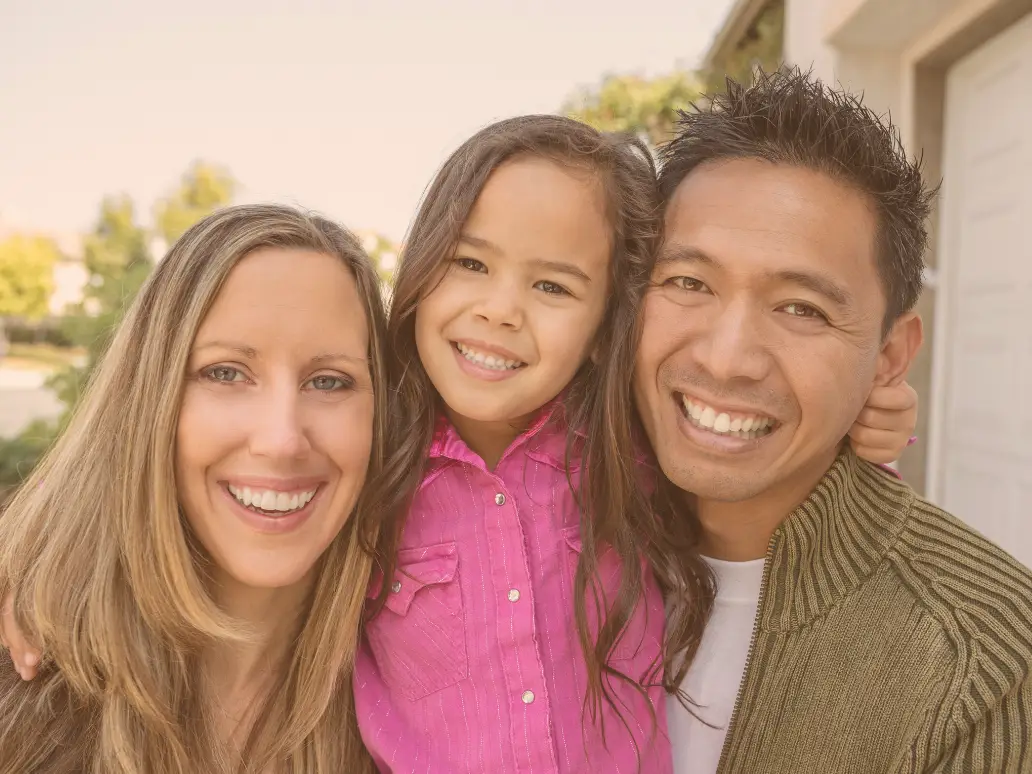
723,423
487,361
270,501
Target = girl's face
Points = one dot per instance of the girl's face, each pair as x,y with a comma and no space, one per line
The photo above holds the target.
276,425
515,310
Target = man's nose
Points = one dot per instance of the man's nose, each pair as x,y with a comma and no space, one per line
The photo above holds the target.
734,347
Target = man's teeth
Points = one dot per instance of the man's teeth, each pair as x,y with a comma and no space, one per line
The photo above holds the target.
722,423
267,500
487,361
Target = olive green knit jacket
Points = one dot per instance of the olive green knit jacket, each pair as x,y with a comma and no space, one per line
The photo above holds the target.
890,638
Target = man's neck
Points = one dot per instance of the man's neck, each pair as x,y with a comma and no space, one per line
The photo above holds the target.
741,531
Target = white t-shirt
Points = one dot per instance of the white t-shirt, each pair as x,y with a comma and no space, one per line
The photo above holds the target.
716,674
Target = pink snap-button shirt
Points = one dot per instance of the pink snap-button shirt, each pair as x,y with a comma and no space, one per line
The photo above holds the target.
474,665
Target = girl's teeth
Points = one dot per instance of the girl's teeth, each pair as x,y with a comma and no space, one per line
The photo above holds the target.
487,361
270,501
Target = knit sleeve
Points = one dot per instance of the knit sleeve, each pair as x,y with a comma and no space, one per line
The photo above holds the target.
984,737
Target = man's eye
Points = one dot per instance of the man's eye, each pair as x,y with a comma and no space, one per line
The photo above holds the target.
804,311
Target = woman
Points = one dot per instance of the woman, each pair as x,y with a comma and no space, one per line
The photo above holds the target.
187,553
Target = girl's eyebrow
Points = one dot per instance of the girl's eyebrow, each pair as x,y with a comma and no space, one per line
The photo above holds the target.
562,268
475,241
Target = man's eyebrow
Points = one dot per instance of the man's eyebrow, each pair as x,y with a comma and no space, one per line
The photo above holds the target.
813,281
817,283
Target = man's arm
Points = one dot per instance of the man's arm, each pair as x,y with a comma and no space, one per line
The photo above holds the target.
981,737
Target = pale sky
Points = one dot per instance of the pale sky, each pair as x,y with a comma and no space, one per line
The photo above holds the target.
343,106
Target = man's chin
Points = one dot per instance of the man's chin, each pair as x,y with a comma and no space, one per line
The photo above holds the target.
708,483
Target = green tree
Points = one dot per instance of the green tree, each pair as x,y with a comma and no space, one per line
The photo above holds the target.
26,276
384,253
762,45
204,188
117,257
118,260
630,103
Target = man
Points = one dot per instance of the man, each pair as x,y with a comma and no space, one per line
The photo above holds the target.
857,627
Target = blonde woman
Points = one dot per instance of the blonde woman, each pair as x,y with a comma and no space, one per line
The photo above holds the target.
187,555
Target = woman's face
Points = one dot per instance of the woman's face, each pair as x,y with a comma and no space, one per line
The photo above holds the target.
276,425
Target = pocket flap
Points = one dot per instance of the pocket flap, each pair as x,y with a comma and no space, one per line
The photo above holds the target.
572,537
417,569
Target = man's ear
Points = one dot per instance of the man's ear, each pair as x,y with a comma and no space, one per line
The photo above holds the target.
899,350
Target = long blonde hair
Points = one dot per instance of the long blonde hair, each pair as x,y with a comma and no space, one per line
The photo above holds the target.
109,580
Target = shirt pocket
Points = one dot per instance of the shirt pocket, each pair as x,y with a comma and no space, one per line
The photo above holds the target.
419,637
632,641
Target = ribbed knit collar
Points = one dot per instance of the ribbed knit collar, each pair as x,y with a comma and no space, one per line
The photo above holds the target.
832,543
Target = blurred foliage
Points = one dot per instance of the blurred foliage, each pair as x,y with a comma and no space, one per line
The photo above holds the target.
762,45
26,276
641,106
647,107
117,257
383,252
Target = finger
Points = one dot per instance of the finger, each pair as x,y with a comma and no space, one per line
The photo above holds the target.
26,657
886,419
23,654
894,398
873,454
885,442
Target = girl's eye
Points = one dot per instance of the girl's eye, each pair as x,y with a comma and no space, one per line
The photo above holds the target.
804,311
327,383
224,374
552,288
471,264
688,283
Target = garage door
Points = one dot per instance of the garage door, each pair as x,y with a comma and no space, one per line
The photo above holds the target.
982,461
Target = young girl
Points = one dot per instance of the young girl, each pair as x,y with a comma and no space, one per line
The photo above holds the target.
518,629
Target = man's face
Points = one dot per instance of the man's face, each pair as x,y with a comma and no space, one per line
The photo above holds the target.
762,331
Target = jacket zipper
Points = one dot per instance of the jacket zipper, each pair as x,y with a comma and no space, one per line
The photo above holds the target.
749,656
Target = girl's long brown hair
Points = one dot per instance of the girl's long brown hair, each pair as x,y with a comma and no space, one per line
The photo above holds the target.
109,580
616,510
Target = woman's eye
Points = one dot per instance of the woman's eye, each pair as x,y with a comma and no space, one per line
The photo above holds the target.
224,374
471,264
552,288
328,383
688,283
